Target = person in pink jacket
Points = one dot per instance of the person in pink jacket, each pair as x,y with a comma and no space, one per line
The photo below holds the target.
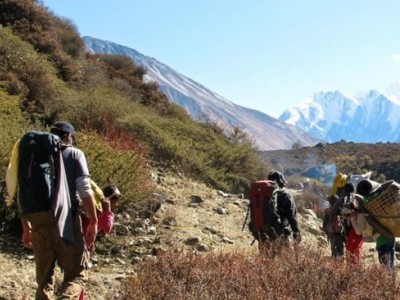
108,204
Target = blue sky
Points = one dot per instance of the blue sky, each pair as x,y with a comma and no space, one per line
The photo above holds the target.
261,54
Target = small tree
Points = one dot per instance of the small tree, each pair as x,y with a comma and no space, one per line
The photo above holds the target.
297,145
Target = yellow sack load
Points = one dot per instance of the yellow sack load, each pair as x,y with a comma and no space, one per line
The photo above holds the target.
12,174
339,182
97,194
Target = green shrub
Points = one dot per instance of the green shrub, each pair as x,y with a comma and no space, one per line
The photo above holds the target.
112,162
69,38
123,66
56,37
197,150
12,126
22,65
307,199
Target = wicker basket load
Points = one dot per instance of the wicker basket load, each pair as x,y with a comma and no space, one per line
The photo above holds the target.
384,206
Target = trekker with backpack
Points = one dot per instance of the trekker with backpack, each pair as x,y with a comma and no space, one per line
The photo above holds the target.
272,211
286,206
354,224
332,226
51,174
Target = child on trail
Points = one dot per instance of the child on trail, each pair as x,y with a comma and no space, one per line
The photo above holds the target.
106,202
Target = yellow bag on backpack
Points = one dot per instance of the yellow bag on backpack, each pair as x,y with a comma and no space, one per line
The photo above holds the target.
97,194
12,174
339,182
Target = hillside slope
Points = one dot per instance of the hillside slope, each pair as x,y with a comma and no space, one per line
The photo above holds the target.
202,104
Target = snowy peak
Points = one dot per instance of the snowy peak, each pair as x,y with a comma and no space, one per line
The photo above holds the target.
319,112
367,117
392,92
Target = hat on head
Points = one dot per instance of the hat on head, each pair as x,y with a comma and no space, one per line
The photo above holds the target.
278,178
63,126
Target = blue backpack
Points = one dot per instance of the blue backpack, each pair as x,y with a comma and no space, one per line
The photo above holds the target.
38,155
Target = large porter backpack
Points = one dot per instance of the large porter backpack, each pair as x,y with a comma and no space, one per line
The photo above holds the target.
265,222
39,153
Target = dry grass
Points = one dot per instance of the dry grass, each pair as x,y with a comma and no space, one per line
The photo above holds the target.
305,275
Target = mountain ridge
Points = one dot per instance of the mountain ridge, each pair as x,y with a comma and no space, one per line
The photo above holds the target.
204,105
368,117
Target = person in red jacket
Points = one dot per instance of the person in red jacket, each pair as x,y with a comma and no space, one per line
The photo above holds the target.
354,224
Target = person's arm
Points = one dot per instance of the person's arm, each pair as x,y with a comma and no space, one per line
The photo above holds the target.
287,210
90,212
26,234
89,205
106,221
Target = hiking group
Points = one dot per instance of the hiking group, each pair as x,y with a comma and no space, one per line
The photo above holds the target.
62,210
352,217
273,214
358,209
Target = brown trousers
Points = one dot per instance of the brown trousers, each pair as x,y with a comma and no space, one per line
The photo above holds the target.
49,249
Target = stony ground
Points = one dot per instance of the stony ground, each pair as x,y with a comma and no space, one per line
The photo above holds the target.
190,216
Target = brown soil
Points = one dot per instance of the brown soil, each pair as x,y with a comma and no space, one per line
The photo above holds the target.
215,224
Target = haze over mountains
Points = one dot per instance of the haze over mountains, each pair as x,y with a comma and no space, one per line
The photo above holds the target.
368,117
268,133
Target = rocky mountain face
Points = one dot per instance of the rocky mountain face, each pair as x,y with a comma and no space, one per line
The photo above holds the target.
202,104
369,117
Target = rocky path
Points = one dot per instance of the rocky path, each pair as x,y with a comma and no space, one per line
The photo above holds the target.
190,215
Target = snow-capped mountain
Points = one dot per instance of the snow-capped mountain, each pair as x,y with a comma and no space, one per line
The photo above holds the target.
393,92
369,117
201,103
